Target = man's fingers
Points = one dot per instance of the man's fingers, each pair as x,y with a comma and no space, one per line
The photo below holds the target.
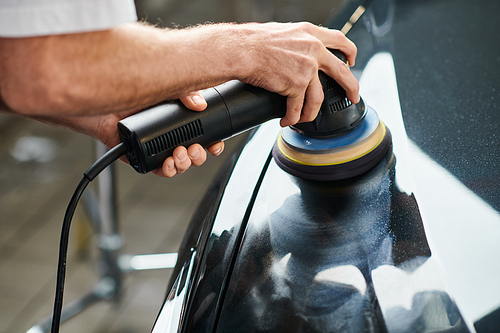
300,110
333,66
341,73
181,159
314,99
168,169
294,105
197,154
216,149
334,39
194,101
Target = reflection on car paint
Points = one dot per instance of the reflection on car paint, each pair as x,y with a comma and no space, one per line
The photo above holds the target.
307,266
170,317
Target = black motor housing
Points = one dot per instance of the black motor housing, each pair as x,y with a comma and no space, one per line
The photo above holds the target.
234,107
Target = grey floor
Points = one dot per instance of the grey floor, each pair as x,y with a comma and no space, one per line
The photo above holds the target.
40,166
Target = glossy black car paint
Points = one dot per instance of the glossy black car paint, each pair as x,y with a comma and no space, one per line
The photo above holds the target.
307,266
447,56
251,271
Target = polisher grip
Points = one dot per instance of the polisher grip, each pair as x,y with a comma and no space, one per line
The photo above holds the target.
234,107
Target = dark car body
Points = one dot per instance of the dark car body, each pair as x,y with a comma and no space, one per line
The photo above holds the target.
410,246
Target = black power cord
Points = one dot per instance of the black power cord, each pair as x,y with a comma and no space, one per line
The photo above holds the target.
89,175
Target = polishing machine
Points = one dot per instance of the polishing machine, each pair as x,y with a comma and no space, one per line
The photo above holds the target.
345,139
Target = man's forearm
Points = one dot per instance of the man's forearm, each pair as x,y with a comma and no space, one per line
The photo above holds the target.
129,67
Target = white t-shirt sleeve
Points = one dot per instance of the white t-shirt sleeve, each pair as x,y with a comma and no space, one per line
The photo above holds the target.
27,18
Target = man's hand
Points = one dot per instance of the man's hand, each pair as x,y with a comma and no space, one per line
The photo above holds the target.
104,129
182,158
285,58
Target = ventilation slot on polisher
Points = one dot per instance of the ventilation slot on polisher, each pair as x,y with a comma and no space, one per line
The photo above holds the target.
340,105
174,138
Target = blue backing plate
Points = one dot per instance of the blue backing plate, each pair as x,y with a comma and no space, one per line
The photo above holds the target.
305,143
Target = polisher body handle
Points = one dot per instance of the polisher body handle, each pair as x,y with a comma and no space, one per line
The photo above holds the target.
233,107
